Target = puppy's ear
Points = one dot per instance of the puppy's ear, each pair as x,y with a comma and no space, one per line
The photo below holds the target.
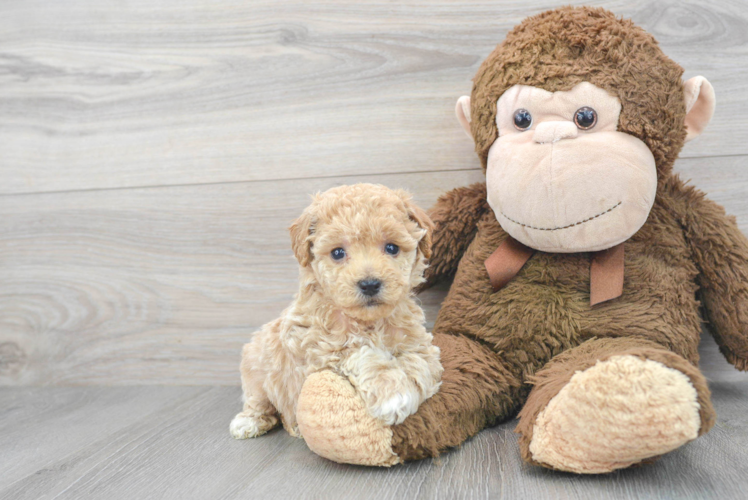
302,230
420,217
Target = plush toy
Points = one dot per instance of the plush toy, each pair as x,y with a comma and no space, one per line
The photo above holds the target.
579,266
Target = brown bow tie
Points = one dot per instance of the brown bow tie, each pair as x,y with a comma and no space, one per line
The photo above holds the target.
606,268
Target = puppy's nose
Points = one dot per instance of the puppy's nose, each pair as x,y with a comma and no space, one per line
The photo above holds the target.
370,287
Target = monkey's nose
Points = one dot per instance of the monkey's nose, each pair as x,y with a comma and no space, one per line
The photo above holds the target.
369,286
549,132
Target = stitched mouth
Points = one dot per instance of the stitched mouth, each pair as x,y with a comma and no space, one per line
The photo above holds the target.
568,225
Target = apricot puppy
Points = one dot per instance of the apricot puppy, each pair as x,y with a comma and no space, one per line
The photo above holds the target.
361,251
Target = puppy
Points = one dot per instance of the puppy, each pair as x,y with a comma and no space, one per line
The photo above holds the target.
361,251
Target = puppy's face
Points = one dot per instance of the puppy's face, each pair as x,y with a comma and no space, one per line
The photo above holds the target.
365,245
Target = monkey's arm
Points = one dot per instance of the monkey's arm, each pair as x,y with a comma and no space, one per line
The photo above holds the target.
720,250
455,215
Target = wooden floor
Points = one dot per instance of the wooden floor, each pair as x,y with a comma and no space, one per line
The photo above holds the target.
173,442
152,155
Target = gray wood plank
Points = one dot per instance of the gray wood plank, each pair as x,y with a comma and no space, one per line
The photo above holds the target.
163,285
39,427
156,442
140,93
155,286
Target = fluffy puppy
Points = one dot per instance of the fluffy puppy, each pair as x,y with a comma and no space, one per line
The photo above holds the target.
361,251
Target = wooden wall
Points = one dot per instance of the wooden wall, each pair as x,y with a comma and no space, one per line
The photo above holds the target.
152,154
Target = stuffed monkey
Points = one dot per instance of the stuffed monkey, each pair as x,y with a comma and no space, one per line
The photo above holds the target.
579,267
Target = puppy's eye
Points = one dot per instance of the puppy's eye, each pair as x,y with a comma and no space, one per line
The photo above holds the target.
522,119
337,254
391,249
585,118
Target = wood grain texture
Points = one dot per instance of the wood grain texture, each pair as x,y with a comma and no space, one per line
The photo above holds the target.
144,93
157,285
173,443
164,285
152,154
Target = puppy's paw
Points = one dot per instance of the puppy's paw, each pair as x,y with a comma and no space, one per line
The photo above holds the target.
291,426
245,426
396,408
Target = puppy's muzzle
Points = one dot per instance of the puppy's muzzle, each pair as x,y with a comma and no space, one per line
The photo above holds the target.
369,286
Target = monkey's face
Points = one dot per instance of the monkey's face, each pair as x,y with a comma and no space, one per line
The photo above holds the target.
561,177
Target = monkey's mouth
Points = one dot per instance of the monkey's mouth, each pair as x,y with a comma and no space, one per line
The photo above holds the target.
567,226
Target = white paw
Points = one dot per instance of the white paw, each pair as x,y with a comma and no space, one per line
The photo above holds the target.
395,409
244,427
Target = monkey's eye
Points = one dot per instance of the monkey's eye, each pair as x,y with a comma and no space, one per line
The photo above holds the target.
585,118
391,249
522,119
337,254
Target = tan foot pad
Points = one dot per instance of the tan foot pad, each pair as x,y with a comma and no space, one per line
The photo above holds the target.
616,414
335,424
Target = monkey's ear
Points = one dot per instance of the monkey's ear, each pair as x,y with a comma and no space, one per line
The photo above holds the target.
700,101
462,110
301,231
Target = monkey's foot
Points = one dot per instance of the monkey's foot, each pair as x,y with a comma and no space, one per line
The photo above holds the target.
334,422
617,413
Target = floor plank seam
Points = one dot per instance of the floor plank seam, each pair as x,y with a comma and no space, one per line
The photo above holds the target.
292,179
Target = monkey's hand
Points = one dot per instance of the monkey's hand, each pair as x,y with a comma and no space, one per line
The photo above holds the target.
455,215
720,250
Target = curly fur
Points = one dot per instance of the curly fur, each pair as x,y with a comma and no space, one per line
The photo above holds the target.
379,343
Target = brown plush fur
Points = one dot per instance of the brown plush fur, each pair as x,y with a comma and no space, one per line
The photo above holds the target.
455,236
528,331
477,389
523,344
558,49
545,311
